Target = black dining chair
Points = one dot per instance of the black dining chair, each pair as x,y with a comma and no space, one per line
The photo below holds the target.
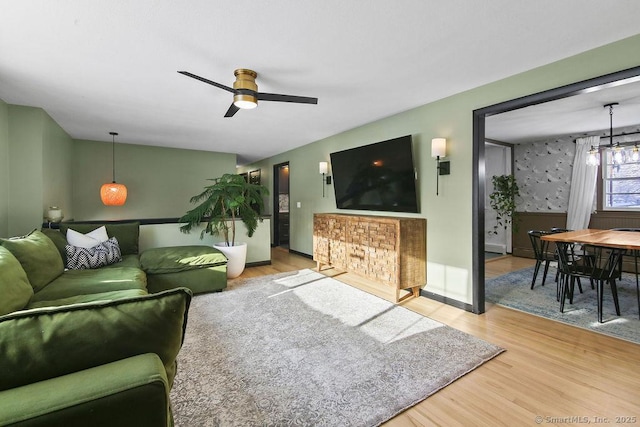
633,254
542,254
582,253
602,266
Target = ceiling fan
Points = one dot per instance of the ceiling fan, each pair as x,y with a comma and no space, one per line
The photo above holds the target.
245,91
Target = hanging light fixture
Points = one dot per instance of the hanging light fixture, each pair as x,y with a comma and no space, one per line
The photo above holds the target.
635,153
617,151
113,194
593,157
618,154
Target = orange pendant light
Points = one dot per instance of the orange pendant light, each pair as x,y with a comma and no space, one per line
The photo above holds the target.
113,194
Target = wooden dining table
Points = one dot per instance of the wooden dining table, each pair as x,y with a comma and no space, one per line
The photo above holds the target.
618,243
616,239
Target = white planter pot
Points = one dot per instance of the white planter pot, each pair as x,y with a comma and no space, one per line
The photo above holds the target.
236,257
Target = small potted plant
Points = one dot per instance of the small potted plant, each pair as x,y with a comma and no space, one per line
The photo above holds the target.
220,205
503,201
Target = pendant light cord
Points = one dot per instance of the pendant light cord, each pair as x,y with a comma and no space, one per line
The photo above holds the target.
113,154
610,122
611,125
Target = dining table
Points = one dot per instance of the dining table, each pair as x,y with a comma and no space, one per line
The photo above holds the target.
615,239
618,243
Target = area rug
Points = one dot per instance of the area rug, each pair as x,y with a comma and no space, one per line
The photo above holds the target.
513,290
304,349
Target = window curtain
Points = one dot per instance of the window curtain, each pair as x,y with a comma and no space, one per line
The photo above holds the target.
583,185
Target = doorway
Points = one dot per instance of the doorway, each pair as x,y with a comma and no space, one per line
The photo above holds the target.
498,161
281,205
479,162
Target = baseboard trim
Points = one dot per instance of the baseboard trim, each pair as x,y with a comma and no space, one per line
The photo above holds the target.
302,254
258,263
449,301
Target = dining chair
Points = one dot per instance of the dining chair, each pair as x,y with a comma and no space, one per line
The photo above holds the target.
542,254
582,253
634,253
602,266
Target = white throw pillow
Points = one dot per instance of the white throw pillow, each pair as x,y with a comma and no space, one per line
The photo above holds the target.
88,240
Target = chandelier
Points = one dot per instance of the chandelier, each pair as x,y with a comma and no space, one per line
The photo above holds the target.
620,155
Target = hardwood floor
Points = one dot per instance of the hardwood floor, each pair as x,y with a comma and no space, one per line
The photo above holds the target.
562,374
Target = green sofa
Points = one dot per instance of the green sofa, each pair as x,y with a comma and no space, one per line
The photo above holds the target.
200,268
91,347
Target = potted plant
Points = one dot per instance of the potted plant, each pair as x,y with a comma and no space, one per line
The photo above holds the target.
221,204
503,201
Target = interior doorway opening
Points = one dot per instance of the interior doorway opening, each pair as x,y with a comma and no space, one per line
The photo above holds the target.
280,193
498,161
479,160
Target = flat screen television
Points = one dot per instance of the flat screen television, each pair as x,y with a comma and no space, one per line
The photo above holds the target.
376,177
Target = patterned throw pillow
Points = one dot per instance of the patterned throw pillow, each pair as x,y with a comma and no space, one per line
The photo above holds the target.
104,253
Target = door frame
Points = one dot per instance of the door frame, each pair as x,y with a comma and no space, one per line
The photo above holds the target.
276,202
479,175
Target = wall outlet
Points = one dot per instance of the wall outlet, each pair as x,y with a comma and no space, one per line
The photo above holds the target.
298,205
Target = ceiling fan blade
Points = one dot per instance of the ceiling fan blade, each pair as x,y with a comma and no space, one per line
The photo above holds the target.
286,98
231,111
202,79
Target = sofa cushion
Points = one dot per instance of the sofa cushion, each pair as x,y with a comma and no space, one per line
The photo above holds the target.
180,258
100,255
127,233
39,257
127,261
58,239
81,282
137,386
15,288
88,240
79,299
49,342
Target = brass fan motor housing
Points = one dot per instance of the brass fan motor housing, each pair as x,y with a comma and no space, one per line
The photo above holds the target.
245,79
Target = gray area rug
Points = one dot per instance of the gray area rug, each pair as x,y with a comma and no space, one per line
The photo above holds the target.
513,290
303,349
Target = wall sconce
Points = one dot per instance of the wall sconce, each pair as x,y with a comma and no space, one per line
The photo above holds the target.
324,169
439,149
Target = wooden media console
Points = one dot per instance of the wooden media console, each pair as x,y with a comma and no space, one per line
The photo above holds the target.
387,250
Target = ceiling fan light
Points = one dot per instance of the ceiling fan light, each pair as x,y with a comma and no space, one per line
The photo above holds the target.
245,102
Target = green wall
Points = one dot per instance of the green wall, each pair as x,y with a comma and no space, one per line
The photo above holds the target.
449,215
25,169
39,168
42,166
4,169
160,181
57,168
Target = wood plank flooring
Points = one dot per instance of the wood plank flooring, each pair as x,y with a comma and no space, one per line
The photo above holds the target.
563,374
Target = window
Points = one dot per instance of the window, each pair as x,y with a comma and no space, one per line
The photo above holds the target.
620,183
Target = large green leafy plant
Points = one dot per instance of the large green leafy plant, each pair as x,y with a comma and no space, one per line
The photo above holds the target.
228,199
503,201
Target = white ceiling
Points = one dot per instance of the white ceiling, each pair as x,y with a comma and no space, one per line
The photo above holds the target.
576,115
100,66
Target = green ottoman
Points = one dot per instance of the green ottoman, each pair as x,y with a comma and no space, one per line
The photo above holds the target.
199,268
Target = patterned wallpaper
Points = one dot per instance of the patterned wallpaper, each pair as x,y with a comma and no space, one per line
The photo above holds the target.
543,170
